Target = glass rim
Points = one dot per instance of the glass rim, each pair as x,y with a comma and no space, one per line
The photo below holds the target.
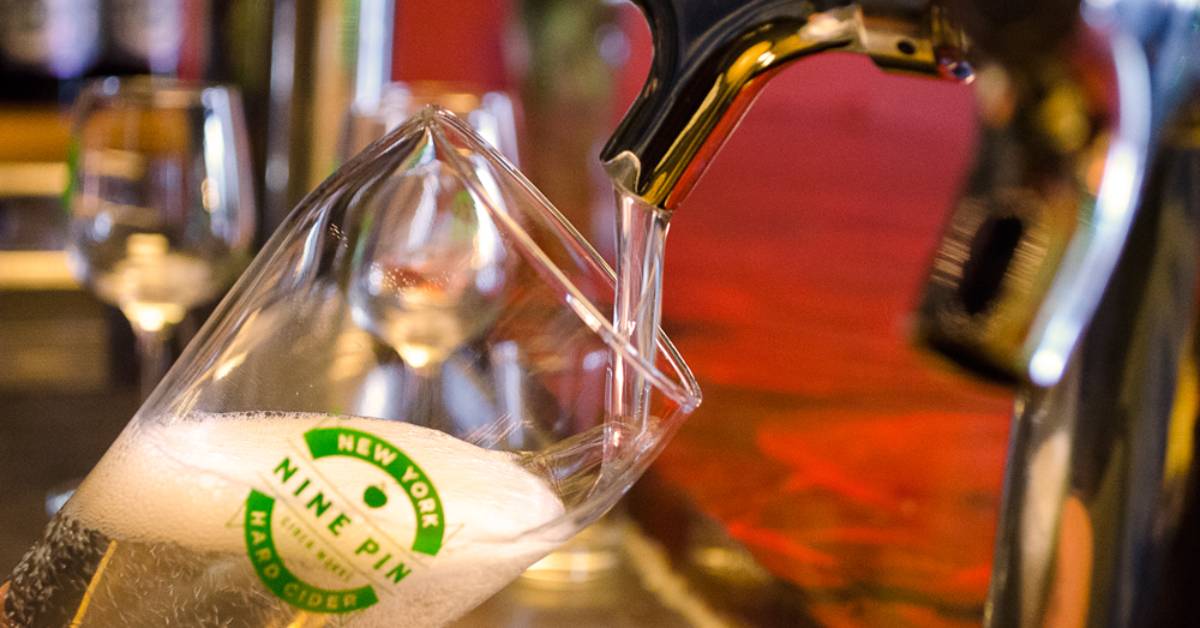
683,389
155,91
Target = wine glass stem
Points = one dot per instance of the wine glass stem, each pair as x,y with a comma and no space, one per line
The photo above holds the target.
425,394
154,356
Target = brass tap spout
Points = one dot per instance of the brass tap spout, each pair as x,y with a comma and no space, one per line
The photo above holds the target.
711,58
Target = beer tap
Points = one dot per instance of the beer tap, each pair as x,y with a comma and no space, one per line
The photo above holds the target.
711,58
1031,175
1068,266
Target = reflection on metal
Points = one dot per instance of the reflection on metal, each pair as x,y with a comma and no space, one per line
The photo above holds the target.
1101,517
653,567
1047,207
1101,535
638,586
712,58
728,562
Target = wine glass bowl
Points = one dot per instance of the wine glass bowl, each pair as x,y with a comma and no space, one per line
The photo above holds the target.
433,278
162,209
429,279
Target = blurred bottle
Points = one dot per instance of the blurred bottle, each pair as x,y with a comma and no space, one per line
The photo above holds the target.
326,56
44,43
145,36
566,56
50,48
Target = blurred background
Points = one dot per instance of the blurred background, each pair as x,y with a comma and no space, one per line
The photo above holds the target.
833,476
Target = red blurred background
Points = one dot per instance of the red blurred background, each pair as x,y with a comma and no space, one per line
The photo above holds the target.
844,460
849,462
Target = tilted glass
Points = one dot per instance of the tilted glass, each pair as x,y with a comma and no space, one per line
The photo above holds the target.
400,406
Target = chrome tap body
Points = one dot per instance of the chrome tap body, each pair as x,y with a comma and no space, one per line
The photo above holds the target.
1100,523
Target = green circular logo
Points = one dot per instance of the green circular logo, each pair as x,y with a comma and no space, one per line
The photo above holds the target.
339,536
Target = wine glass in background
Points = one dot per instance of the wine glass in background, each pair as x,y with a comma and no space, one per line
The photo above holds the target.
162,208
422,322
444,291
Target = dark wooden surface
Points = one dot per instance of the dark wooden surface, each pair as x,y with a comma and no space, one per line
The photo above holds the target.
48,439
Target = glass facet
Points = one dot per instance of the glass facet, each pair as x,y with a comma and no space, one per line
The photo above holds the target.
490,113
